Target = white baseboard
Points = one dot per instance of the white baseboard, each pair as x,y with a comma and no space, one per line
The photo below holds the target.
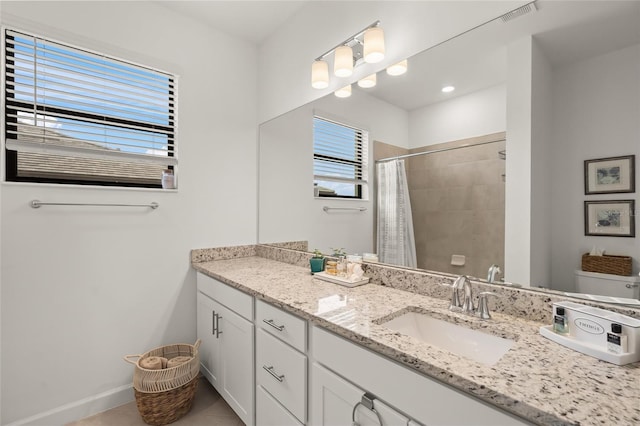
80,409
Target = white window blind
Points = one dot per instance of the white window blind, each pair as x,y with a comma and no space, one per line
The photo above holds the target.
339,156
63,103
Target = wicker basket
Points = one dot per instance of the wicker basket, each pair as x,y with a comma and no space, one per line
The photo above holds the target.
607,264
163,396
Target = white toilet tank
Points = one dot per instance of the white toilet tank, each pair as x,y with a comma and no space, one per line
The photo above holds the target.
607,284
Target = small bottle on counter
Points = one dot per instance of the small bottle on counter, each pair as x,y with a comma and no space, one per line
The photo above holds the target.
560,324
168,179
342,267
616,341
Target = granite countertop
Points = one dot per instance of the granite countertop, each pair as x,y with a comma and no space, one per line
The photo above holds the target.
537,379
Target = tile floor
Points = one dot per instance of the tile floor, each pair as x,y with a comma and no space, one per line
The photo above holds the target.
208,409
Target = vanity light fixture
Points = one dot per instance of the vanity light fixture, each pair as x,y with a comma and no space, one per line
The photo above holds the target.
364,46
373,45
397,69
344,92
448,89
368,82
343,61
319,75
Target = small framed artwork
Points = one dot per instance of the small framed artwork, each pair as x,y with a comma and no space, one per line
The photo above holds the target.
614,218
610,175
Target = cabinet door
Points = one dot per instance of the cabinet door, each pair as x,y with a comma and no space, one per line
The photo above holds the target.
209,345
333,400
237,355
269,412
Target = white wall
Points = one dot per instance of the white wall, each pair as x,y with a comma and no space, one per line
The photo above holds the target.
288,210
541,152
410,27
596,111
479,113
81,287
517,246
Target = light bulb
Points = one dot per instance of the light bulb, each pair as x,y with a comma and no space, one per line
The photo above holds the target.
368,81
319,75
343,61
447,89
345,92
373,45
398,69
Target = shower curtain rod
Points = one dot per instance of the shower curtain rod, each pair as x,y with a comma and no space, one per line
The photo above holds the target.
467,145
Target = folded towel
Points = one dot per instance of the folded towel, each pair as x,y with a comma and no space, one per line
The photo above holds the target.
153,363
179,360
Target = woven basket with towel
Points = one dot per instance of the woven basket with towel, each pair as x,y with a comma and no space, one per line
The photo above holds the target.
165,381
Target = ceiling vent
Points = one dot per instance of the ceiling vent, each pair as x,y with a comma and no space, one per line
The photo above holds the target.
516,13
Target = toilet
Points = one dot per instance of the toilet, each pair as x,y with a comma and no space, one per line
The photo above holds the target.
608,285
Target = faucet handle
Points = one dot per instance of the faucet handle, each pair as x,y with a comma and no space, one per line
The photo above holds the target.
483,305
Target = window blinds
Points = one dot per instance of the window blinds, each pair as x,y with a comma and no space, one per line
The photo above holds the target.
340,152
65,101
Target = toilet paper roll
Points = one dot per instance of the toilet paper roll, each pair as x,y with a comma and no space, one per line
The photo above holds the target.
153,363
179,360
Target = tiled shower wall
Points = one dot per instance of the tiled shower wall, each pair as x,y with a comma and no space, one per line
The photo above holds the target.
457,200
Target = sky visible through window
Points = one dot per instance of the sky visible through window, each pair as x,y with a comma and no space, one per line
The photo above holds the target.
71,82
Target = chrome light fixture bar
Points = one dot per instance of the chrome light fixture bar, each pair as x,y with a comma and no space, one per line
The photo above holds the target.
370,38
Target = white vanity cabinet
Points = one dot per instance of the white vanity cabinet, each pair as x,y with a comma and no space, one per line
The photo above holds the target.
422,400
335,401
281,367
226,331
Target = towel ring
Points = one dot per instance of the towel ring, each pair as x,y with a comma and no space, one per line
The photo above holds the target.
366,402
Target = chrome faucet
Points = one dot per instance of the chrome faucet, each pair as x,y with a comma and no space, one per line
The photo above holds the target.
493,271
462,283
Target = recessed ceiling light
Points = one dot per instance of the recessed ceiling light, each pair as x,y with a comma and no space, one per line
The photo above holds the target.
447,89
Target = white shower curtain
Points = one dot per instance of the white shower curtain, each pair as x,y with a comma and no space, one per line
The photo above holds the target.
396,242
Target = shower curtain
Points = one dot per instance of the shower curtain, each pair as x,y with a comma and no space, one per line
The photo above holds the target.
396,242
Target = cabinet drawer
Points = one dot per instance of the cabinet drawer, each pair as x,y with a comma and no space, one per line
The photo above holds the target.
285,326
270,413
282,371
237,301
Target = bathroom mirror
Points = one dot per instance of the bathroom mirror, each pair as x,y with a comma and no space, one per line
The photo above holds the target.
476,63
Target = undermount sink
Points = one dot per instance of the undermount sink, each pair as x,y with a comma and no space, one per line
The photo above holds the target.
476,345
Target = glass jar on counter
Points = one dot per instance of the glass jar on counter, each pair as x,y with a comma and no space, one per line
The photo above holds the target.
332,267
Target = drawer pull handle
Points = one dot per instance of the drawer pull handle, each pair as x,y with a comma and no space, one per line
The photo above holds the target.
272,324
366,402
269,370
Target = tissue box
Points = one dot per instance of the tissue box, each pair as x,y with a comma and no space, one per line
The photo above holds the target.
607,264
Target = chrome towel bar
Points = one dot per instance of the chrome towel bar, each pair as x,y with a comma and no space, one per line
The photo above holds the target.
37,204
360,209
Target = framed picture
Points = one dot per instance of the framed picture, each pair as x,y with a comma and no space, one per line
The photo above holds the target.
614,218
609,175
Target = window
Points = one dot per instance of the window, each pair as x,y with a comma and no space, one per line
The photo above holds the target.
339,159
77,117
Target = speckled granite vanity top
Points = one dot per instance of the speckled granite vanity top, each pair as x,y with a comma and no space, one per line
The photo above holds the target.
537,379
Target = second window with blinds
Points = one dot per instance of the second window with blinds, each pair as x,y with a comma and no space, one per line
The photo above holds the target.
340,159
